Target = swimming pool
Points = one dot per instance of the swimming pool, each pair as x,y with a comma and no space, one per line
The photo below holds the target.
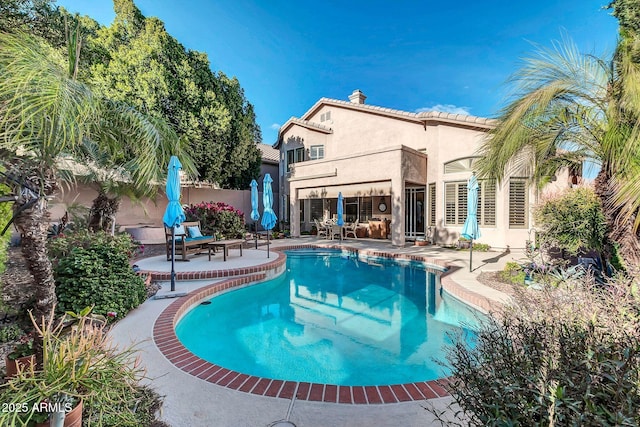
332,318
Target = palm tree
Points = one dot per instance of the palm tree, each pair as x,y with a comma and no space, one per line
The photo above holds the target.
47,116
567,108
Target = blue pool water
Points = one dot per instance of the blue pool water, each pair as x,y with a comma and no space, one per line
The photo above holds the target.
331,318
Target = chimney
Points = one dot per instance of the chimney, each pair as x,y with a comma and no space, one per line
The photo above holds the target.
357,97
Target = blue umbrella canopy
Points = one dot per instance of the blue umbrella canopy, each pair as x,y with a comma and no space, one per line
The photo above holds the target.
269,217
340,220
174,214
255,215
470,230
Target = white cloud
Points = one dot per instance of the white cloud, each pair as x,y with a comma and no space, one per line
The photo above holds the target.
275,126
445,108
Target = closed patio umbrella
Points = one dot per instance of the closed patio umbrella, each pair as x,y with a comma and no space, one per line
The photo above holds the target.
174,214
340,219
255,215
470,230
269,217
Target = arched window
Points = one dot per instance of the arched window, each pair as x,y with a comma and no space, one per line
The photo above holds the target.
460,165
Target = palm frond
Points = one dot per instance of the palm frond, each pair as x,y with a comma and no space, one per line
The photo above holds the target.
559,104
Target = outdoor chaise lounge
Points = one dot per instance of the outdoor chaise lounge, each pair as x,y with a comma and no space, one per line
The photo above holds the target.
189,239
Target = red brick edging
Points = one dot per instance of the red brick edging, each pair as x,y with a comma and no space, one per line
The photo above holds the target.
167,342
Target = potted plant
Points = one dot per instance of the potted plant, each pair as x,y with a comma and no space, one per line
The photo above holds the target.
22,357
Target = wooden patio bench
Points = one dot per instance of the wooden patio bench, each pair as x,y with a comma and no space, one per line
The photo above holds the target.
185,243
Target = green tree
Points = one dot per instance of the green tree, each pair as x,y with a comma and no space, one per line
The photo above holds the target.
46,117
37,17
569,107
146,67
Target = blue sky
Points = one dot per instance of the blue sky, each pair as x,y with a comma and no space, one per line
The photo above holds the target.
407,55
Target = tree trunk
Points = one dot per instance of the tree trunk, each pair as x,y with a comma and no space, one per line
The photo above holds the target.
619,231
31,218
102,212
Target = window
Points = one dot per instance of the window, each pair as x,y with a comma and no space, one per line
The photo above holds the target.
456,203
351,209
432,204
316,152
294,156
317,210
517,203
325,116
301,203
366,209
487,203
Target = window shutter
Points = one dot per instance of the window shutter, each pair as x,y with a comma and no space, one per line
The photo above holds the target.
462,202
489,202
517,203
432,204
450,203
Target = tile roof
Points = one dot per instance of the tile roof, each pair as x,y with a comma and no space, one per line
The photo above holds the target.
426,115
269,153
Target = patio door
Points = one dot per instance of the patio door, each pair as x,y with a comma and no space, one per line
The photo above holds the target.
414,212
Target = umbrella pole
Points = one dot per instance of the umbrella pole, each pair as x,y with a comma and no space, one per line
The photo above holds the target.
268,232
173,258
471,256
255,234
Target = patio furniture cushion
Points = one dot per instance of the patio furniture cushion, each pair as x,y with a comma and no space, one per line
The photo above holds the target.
194,231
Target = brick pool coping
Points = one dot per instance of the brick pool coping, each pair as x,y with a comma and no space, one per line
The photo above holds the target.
167,342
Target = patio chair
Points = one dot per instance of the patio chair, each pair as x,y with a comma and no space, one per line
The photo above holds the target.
351,229
323,230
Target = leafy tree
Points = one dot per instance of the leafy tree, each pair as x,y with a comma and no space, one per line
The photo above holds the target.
147,68
47,116
569,107
37,17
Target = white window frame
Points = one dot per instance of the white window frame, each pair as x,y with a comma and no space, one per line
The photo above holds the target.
316,152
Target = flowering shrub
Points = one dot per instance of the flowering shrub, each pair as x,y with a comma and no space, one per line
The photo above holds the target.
217,219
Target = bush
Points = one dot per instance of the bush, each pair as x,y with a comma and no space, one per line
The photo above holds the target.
560,356
217,219
513,273
100,276
572,222
481,247
81,362
61,245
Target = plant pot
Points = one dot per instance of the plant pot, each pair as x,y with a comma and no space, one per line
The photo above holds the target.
73,418
24,362
421,243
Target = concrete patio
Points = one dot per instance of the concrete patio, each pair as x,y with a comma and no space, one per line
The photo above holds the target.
190,401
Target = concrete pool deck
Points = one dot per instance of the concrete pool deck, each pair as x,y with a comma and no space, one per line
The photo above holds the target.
192,401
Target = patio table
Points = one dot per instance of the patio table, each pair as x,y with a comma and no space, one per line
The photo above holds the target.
225,244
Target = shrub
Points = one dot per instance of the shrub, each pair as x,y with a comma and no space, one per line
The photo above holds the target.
81,362
10,333
559,356
572,222
513,273
99,276
481,247
217,218
60,246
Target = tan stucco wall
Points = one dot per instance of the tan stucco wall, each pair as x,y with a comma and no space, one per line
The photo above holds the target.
376,150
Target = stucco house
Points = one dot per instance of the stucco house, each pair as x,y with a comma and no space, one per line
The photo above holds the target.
410,169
